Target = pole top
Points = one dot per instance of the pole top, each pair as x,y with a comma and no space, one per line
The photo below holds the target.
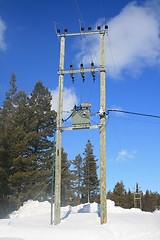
83,32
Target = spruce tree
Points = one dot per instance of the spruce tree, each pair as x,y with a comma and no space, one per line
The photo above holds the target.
78,175
90,177
9,102
67,194
41,124
6,113
18,140
129,199
32,130
119,194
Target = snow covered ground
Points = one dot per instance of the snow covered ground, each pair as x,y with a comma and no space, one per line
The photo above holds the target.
32,222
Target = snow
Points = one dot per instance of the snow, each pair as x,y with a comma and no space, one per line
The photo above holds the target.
82,222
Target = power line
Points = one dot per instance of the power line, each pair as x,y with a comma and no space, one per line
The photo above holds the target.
47,10
135,120
65,120
75,10
133,113
78,10
110,47
102,10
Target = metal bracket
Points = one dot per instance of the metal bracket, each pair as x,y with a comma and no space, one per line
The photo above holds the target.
81,127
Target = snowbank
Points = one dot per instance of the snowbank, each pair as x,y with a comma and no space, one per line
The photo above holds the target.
32,222
31,208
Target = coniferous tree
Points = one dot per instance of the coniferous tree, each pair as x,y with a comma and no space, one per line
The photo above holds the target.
31,140
119,194
9,106
18,140
41,124
90,177
147,202
129,200
4,168
67,194
78,175
6,113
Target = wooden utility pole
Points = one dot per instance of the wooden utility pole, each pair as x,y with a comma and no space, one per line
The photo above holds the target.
52,178
103,133
57,203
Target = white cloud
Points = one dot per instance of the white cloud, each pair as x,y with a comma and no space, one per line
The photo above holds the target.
69,100
3,27
124,155
134,37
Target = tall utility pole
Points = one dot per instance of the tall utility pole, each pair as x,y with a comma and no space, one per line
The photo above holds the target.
57,203
103,133
102,114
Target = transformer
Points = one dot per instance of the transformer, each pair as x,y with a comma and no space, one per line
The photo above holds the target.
81,115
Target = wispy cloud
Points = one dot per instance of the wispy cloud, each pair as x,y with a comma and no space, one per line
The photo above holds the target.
133,42
3,28
70,97
124,155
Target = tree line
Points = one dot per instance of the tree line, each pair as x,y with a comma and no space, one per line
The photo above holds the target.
27,124
150,201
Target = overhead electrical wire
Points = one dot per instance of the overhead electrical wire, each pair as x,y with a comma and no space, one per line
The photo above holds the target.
65,120
81,20
74,10
47,10
55,24
115,110
135,120
133,113
78,10
113,61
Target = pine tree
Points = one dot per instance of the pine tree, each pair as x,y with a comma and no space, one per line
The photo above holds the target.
90,177
18,140
32,131
41,124
129,199
119,194
13,88
9,102
6,113
78,174
67,194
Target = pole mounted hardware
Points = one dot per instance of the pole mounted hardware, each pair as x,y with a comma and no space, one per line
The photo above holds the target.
71,73
93,72
82,32
82,71
101,112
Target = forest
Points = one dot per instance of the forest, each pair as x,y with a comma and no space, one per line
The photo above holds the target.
27,125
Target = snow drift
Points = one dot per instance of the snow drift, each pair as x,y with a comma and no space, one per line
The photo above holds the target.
32,222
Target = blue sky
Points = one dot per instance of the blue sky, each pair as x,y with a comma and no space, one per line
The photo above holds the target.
29,47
